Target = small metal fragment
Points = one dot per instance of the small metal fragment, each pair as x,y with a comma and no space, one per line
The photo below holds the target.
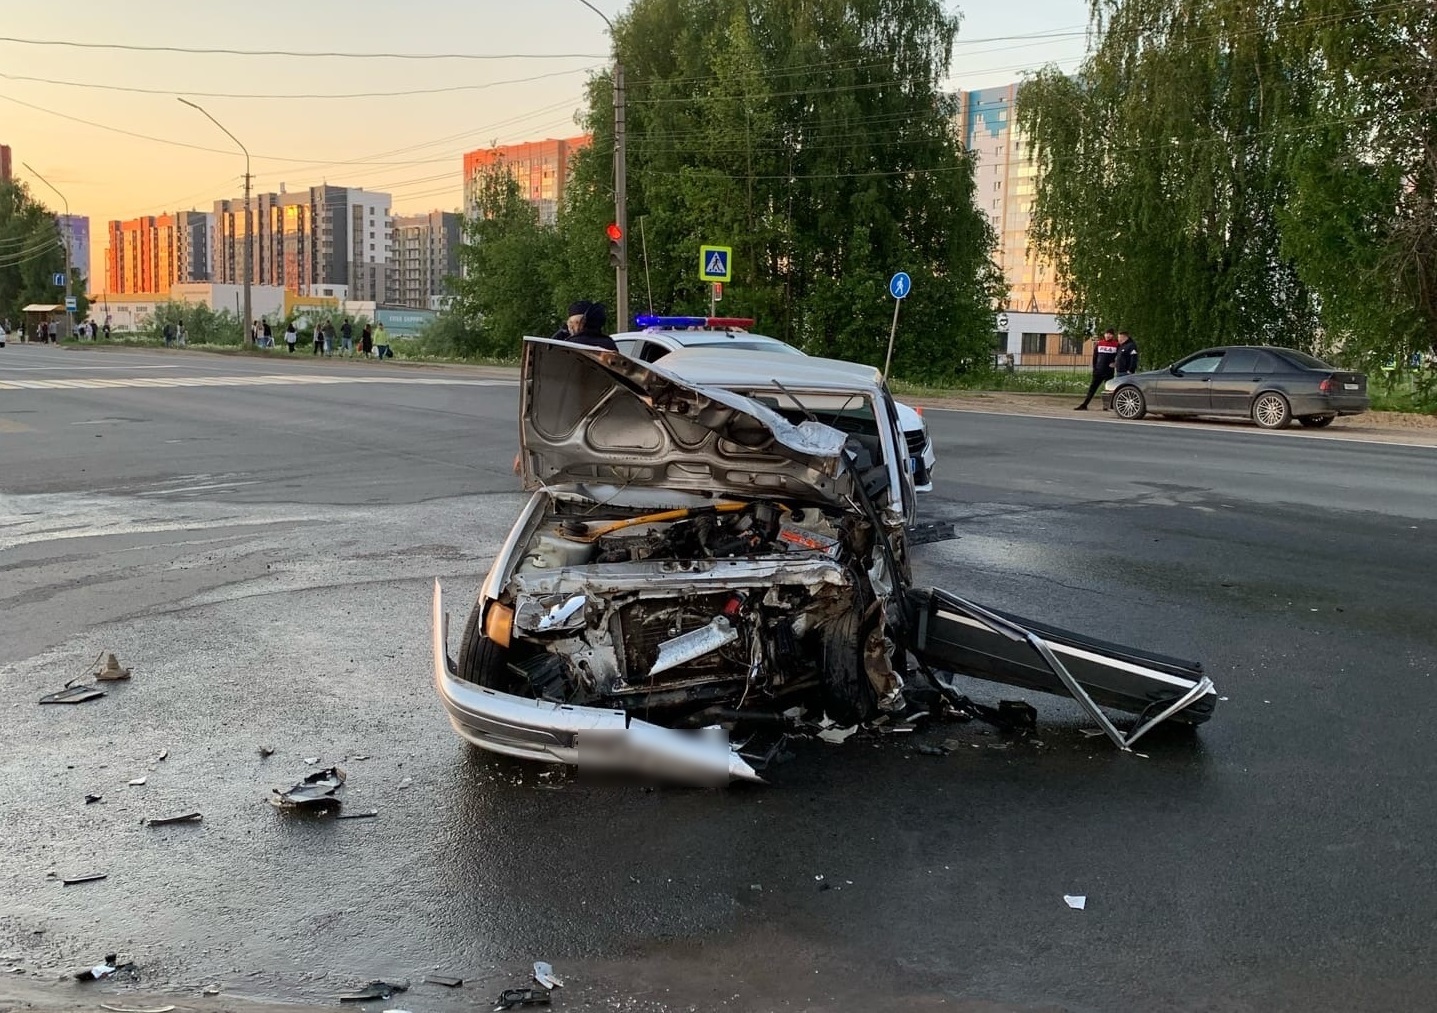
544,975
73,694
168,820
443,979
90,877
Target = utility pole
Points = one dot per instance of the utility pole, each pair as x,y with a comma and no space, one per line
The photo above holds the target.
69,320
621,197
245,321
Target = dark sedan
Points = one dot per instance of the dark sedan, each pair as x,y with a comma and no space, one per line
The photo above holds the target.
1271,386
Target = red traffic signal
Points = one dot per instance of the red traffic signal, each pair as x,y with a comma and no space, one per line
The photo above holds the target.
613,231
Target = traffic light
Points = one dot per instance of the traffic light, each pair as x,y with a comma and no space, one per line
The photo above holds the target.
616,244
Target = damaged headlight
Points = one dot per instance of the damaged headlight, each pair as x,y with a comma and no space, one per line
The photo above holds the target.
551,613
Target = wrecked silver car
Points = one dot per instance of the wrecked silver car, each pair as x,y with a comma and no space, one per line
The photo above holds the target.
718,540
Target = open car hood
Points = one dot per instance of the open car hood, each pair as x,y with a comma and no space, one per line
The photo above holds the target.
592,416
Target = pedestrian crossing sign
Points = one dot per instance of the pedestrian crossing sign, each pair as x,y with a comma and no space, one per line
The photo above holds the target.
715,263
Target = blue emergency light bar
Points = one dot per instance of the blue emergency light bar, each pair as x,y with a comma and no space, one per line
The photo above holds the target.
649,320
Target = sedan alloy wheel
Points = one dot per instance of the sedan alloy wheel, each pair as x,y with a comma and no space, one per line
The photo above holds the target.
1271,411
1129,403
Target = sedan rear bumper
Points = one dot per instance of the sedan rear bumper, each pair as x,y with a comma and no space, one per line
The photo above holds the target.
1327,404
591,738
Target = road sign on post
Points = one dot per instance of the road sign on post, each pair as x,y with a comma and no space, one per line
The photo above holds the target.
898,287
57,279
715,263
71,304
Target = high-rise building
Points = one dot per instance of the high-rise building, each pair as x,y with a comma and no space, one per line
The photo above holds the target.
152,254
425,253
5,163
75,233
324,236
541,169
1006,179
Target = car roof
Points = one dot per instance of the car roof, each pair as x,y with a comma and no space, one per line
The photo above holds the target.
698,339
1233,348
759,370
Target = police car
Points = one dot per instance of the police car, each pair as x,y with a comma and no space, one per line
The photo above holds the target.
661,335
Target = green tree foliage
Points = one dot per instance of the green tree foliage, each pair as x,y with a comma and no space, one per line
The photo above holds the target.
203,326
31,253
1245,170
813,138
508,260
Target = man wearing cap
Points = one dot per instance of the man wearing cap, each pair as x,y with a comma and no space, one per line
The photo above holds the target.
592,331
574,322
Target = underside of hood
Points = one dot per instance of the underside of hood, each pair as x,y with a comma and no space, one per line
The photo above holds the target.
589,415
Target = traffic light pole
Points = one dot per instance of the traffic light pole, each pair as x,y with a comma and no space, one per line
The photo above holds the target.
621,201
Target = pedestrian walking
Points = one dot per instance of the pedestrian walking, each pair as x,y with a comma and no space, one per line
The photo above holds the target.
366,341
54,333
268,336
329,337
1127,360
290,337
381,343
318,334
180,334
346,337
1105,354
107,330
169,335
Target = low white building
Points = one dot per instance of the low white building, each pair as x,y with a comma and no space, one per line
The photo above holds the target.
1036,341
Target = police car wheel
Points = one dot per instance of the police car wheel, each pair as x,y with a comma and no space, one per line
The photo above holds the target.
1129,403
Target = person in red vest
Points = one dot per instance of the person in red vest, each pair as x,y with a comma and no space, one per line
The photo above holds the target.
1105,356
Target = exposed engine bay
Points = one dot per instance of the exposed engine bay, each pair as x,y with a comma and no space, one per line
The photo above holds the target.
702,612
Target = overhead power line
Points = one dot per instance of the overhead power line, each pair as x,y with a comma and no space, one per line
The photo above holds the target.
207,51
104,86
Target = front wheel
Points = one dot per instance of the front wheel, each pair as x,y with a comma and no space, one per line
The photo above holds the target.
1271,411
1316,421
848,694
482,661
1129,403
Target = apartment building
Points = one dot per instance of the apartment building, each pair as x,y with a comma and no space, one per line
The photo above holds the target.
75,234
425,252
323,236
152,254
541,168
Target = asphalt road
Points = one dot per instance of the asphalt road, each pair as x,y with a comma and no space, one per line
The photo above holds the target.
261,551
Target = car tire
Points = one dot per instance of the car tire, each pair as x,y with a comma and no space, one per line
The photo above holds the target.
1270,410
482,661
848,695
1316,421
1129,403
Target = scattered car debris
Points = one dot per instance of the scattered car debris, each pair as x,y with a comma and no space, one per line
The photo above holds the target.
928,750
73,693
936,531
407,782
1075,901
92,799
316,789
170,820
136,1009
311,760
162,757
443,979
526,996
106,969
111,671
544,975
376,989
265,751
360,756
837,736
136,782
365,815
212,990
89,877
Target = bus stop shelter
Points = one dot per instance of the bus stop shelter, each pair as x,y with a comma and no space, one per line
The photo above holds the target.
38,312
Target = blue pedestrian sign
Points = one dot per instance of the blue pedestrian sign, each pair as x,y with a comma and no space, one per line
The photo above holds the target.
900,285
58,279
715,263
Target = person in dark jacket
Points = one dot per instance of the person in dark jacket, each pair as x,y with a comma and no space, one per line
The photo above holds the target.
1127,361
1105,354
592,333
366,341
574,322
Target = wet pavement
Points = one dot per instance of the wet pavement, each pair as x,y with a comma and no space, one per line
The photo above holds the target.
267,575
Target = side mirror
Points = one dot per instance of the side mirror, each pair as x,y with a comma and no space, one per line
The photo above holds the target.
1175,371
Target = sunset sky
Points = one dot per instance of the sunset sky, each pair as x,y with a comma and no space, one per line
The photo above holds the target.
408,145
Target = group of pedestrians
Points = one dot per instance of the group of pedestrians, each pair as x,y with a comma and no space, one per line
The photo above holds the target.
1114,354
372,341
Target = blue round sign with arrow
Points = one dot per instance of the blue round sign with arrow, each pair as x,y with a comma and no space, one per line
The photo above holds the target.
900,285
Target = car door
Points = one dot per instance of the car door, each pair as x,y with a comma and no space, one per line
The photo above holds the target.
1241,375
1186,388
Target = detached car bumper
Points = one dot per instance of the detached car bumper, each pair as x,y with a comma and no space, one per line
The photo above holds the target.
591,738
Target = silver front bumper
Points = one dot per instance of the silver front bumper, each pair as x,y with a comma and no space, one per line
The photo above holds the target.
591,738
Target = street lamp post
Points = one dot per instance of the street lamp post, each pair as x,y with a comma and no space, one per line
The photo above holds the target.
248,225
69,322
621,201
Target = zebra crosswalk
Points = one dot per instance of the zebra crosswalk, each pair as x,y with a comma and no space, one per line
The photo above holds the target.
249,380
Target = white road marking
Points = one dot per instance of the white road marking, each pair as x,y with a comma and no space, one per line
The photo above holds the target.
81,366
1187,427
271,380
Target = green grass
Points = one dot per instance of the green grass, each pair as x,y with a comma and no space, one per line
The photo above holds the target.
1030,382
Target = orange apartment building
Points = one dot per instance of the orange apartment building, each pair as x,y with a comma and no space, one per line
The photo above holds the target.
151,254
541,168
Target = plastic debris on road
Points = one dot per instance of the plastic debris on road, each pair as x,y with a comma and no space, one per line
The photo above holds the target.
366,814
92,799
837,736
375,990
73,694
136,782
111,671
89,877
265,751
1075,901
107,969
544,975
526,996
317,789
136,1009
448,981
166,821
